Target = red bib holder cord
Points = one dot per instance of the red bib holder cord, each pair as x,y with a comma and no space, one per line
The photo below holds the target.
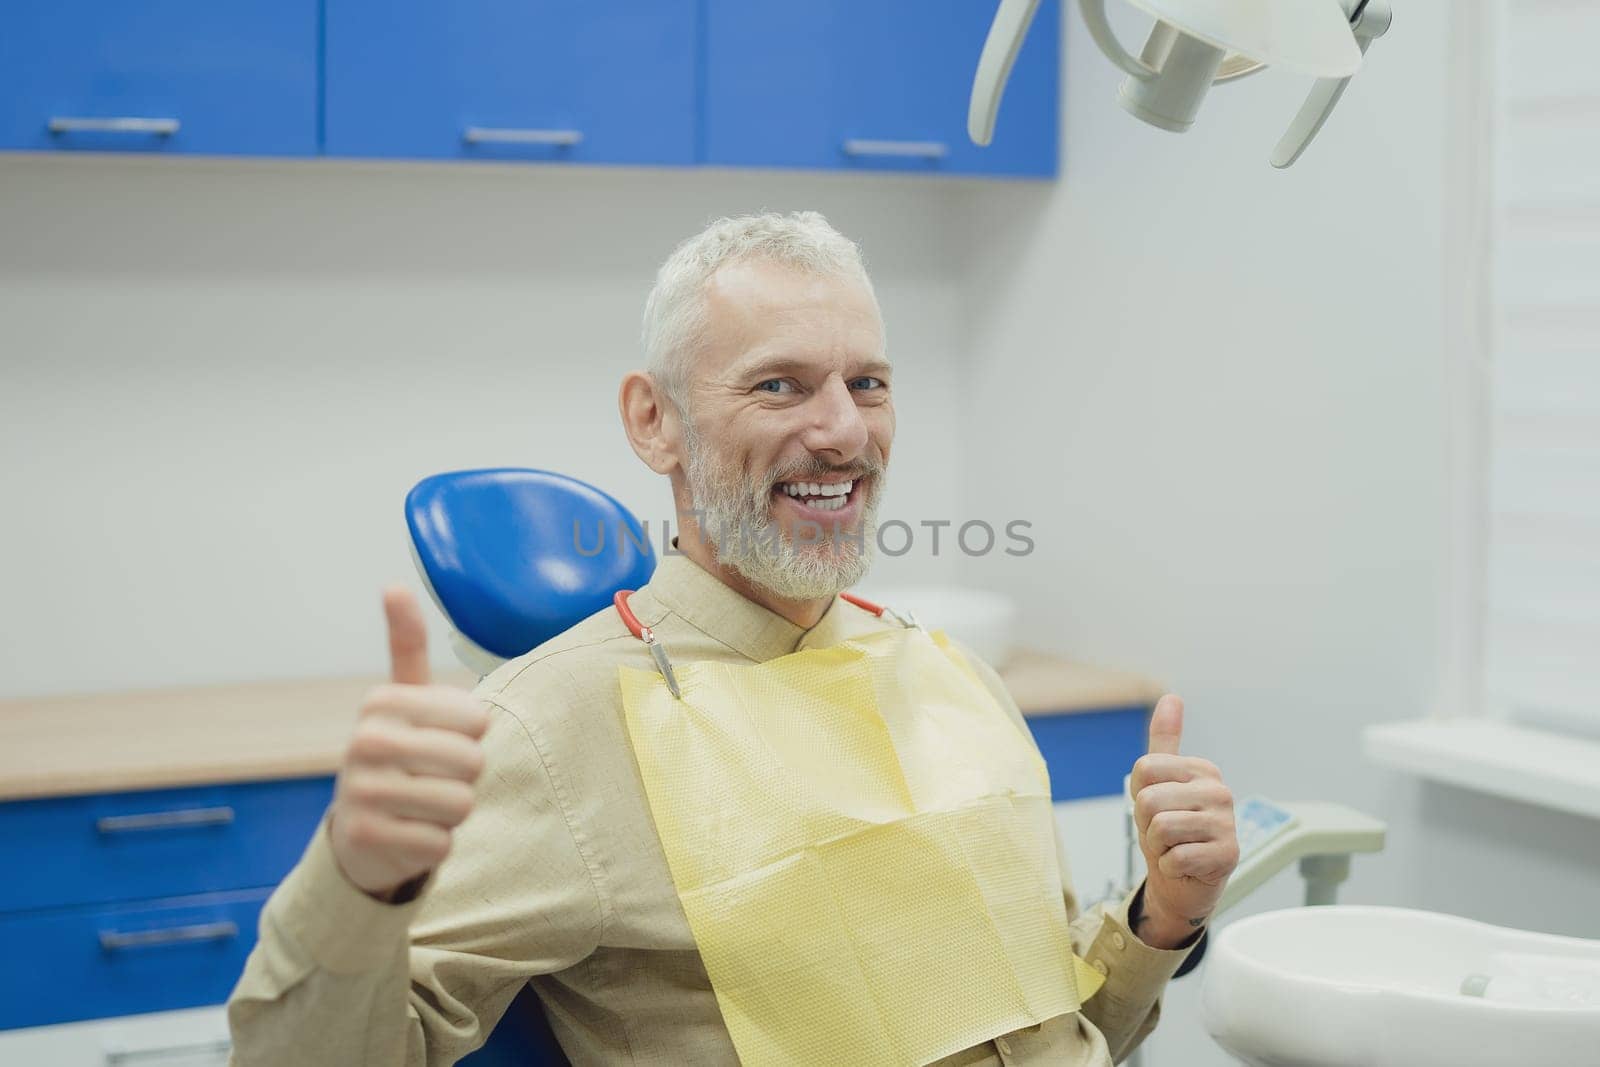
863,603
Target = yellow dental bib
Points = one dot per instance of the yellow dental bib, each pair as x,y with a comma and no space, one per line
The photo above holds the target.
863,843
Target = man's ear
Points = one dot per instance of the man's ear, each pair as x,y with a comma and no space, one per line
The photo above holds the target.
650,420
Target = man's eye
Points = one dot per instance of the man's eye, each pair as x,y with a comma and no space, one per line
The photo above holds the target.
867,383
775,385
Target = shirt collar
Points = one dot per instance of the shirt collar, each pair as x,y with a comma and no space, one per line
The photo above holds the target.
716,609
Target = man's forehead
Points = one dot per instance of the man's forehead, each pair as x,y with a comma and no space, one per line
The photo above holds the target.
766,316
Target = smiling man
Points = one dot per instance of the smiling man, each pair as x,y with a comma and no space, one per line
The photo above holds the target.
830,844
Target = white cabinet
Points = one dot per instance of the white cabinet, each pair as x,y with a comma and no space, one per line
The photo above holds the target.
194,1037
1093,842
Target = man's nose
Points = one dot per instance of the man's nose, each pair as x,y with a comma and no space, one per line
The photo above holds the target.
835,423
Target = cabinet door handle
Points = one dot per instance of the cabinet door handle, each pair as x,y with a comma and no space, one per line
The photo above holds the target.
493,135
215,1047
164,820
117,940
76,124
902,149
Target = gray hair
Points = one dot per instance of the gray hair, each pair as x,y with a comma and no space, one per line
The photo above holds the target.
674,314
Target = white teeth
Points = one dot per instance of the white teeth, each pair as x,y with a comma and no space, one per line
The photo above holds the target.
818,489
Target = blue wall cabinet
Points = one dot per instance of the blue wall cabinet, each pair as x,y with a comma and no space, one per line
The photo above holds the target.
602,81
872,85
186,76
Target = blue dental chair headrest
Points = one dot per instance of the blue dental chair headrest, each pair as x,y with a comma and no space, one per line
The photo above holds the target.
513,557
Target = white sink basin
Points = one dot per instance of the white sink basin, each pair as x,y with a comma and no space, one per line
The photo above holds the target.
1391,987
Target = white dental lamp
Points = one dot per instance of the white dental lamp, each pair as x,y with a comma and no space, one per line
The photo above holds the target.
1197,44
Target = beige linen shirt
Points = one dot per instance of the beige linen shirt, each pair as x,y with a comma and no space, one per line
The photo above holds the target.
557,878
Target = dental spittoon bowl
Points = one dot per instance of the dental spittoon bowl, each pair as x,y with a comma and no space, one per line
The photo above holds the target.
1393,987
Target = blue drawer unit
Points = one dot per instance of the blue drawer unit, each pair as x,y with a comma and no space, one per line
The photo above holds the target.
89,963
1089,752
872,85
64,851
603,81
185,76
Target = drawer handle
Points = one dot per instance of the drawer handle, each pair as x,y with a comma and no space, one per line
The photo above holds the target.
492,135
901,149
74,124
164,820
116,940
215,1047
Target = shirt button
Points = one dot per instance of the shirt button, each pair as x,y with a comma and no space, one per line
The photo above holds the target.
1119,941
1003,1045
1099,965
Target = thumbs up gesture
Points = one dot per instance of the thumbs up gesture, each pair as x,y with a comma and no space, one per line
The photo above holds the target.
407,777
1184,814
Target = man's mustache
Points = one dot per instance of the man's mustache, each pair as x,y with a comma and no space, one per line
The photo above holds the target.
807,472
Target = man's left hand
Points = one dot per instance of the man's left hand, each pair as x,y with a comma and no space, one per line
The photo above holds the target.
1184,813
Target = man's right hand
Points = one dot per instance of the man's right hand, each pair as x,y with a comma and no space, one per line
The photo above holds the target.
407,777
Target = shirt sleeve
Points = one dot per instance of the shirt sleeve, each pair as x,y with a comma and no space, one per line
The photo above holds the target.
339,978
1128,1006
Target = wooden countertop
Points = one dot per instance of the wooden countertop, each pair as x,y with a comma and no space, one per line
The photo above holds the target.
155,738
1043,684
196,735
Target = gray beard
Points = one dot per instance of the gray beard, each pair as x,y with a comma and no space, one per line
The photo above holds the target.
735,518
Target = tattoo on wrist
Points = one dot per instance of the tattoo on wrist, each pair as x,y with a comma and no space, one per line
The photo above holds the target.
1197,923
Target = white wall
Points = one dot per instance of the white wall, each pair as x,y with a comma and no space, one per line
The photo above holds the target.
1221,392
219,378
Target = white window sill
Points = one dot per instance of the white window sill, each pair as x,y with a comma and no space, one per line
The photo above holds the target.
1555,770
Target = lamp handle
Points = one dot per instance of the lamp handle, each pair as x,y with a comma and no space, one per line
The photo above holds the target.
1000,48
1370,20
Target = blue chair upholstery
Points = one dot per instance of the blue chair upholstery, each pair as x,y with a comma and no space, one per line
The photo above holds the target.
512,558
523,1038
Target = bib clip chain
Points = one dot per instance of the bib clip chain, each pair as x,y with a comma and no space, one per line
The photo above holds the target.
658,651
904,618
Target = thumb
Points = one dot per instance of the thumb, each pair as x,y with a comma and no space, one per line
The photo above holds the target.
1166,725
408,638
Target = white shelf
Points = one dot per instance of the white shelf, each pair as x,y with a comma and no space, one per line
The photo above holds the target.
1554,770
